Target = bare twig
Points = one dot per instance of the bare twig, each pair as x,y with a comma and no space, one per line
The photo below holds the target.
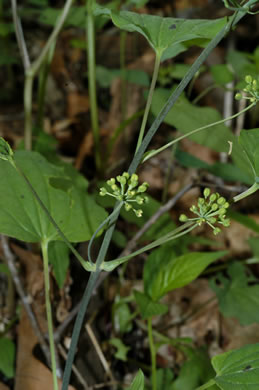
10,260
74,369
99,351
20,37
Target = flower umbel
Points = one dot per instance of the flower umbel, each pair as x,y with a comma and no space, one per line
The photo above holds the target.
251,90
125,189
211,209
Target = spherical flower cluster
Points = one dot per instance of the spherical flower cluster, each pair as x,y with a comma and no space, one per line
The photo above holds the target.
211,209
251,90
125,189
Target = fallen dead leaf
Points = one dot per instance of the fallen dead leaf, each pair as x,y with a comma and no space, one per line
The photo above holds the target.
76,104
4,387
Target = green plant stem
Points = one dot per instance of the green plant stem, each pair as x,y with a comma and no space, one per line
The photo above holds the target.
206,385
28,110
246,193
155,152
85,300
203,93
149,100
44,248
152,353
123,38
92,81
43,76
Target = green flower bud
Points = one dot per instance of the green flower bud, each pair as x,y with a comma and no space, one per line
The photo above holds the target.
131,193
214,207
238,96
213,197
226,222
193,209
216,231
248,79
206,193
111,182
222,211
121,179
138,213
183,218
6,152
126,175
103,191
114,187
140,200
127,206
212,220
221,201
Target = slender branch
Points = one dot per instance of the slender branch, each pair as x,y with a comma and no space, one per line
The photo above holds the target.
9,257
149,100
20,37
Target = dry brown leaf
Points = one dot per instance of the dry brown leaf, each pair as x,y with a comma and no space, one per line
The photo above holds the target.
85,149
76,104
4,387
31,374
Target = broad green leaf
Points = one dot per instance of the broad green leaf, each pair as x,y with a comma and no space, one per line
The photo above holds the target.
185,116
236,297
122,349
164,33
164,272
64,195
195,371
138,382
249,141
147,307
7,357
238,369
59,258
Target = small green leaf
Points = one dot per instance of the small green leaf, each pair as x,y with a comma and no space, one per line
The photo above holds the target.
7,357
147,307
163,33
138,382
236,297
59,258
122,350
164,272
164,379
238,369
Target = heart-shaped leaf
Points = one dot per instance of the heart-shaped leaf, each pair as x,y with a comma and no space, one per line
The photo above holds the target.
64,195
164,33
164,272
238,369
147,307
236,297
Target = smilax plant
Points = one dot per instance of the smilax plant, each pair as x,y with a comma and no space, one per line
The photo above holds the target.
57,207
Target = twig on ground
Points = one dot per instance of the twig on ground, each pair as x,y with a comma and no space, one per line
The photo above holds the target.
99,352
10,260
74,369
